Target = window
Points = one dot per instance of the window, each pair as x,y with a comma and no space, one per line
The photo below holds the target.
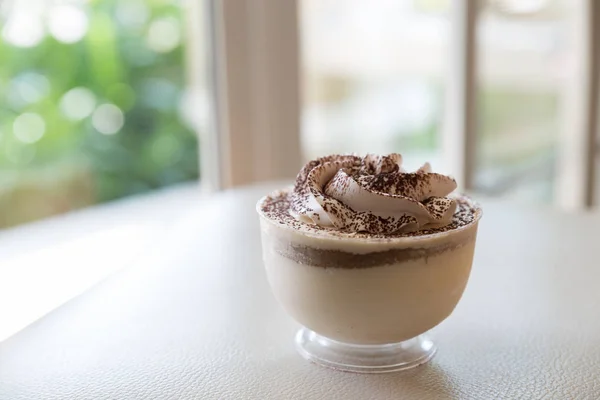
94,103
524,70
104,99
376,80
374,77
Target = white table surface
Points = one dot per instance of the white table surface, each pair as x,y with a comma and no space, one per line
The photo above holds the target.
47,263
197,321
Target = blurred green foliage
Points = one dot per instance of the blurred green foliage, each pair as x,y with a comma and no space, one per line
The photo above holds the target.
154,147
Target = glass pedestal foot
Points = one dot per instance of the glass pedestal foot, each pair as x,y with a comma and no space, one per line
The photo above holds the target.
377,358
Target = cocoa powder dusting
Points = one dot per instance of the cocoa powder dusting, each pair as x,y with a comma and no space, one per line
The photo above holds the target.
276,207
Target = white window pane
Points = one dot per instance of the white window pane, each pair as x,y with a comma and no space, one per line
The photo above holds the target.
522,71
373,77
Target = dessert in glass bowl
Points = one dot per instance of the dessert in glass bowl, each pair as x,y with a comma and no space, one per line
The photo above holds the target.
367,258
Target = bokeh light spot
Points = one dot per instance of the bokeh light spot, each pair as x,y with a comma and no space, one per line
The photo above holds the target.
163,35
27,88
23,29
194,109
29,127
78,103
159,93
132,13
108,119
67,23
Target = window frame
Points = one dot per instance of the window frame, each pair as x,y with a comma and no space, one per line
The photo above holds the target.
254,74
255,77
576,176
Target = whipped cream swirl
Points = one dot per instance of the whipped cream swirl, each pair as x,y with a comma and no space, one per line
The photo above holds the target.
371,194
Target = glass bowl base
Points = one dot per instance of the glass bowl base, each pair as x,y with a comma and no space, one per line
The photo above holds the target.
359,358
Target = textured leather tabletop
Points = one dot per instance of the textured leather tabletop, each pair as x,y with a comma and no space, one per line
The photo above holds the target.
199,322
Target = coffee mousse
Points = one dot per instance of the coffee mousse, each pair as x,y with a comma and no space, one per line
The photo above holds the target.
361,251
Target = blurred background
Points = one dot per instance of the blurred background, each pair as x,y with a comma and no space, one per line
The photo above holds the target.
103,99
391,81
92,104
